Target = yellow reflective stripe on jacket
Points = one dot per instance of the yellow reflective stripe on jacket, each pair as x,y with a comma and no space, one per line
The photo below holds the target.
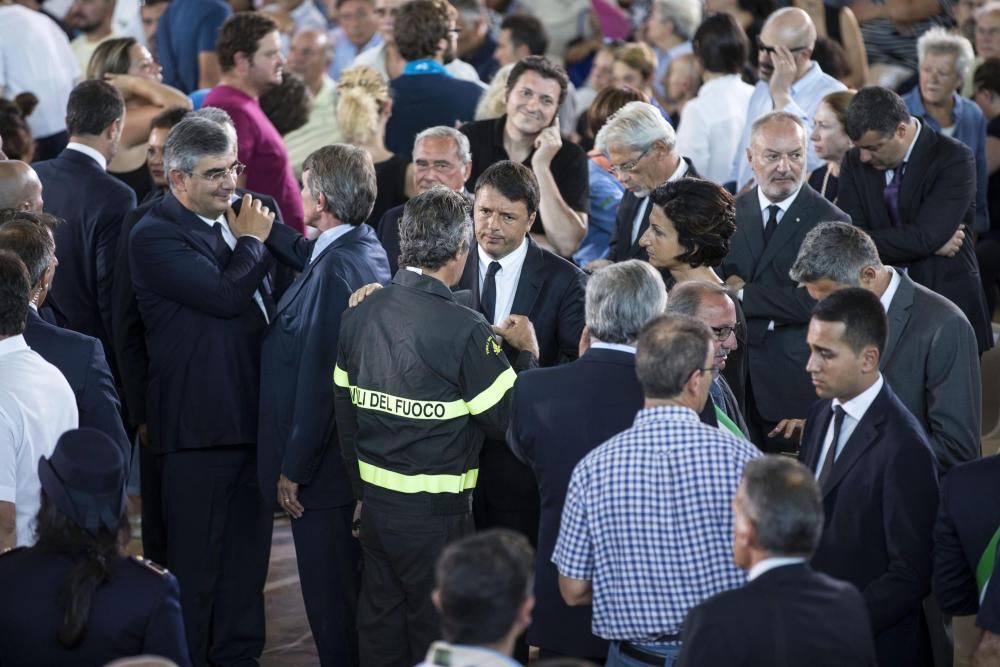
415,409
394,481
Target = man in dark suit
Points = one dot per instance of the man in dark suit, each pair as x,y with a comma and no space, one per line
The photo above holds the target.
913,190
787,615
299,462
559,414
642,148
876,472
199,273
771,220
92,203
988,620
712,305
513,282
78,357
931,359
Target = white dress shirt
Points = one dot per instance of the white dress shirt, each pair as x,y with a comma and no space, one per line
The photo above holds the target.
621,347
890,291
711,123
906,158
92,153
854,410
230,239
37,406
769,564
805,94
506,279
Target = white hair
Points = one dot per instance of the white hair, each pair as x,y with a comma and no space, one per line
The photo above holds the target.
684,14
939,41
636,126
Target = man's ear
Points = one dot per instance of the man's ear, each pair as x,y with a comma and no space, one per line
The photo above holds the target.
175,178
436,599
869,359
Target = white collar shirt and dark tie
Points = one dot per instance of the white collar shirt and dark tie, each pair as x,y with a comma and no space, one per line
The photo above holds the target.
507,278
230,239
889,173
640,211
854,411
765,214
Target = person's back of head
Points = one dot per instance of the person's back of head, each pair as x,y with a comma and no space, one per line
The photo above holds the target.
621,299
435,229
607,102
288,105
15,291
526,34
32,243
15,133
93,107
721,44
363,102
673,360
422,28
341,179
20,187
778,511
484,588
837,252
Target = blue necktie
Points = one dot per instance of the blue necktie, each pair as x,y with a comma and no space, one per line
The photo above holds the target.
891,195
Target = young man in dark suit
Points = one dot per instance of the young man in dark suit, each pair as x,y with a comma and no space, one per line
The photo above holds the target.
787,614
513,282
92,204
876,473
299,463
771,221
914,191
560,414
199,273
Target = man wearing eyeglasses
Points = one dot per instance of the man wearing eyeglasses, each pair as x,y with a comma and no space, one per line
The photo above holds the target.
790,80
200,275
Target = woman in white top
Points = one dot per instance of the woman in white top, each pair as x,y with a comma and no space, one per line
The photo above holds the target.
712,123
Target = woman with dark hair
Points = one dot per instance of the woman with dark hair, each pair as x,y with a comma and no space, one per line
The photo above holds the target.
690,225
75,598
15,134
128,65
750,14
289,105
712,123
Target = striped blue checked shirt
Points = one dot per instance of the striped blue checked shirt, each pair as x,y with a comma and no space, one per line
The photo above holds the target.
648,521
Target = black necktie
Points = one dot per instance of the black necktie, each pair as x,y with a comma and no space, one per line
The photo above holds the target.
772,222
831,454
488,301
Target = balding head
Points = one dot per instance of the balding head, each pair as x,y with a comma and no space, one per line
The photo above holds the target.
309,55
19,186
791,28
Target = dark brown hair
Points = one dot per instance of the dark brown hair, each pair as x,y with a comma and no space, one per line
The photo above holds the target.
608,101
704,215
242,32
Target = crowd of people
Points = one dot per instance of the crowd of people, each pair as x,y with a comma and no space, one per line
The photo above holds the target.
645,332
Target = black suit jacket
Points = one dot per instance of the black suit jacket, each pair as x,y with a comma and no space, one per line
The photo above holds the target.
81,360
776,359
388,235
790,616
967,518
880,501
127,329
550,292
937,194
203,328
92,204
558,416
297,435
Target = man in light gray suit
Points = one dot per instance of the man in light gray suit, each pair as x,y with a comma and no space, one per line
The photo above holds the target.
931,359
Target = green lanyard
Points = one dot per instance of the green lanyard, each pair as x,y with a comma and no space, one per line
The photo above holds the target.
729,424
986,562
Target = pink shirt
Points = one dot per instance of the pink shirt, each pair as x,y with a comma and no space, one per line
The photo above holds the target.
268,171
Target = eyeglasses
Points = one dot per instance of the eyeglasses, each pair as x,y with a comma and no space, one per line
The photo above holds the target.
629,167
723,333
216,176
761,46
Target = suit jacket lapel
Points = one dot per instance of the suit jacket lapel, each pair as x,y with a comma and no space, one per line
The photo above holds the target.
203,234
916,169
529,284
752,226
863,438
899,315
785,231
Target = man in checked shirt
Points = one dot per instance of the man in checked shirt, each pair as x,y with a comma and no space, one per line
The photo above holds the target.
647,524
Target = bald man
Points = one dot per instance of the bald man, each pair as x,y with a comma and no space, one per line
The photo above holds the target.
790,80
309,56
20,188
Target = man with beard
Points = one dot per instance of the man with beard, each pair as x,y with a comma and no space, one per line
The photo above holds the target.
789,81
249,50
426,94
93,19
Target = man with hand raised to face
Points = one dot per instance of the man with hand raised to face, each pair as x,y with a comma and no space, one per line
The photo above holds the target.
199,269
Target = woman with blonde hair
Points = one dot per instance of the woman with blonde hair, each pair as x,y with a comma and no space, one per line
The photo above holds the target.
635,66
128,65
493,103
363,109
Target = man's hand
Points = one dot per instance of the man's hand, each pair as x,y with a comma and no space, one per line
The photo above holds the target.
735,283
254,219
789,429
519,332
288,497
356,522
361,294
954,244
596,264
547,144
783,76
143,433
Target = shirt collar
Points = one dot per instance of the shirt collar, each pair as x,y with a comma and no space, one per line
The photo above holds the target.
814,72
784,204
668,413
890,291
513,259
12,344
906,158
769,564
621,347
92,153
858,406
679,172
326,239
425,66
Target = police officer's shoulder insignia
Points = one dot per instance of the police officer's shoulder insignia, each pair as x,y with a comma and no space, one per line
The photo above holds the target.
150,565
492,346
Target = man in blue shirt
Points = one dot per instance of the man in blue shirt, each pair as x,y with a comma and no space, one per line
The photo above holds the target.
185,42
357,32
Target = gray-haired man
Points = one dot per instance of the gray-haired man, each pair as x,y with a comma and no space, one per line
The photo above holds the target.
931,359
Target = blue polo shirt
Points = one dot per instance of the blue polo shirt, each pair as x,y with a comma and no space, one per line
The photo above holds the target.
187,28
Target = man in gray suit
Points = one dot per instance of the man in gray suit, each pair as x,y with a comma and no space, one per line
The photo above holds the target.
771,221
931,359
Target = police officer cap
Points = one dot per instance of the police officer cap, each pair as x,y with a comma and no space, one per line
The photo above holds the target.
85,479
